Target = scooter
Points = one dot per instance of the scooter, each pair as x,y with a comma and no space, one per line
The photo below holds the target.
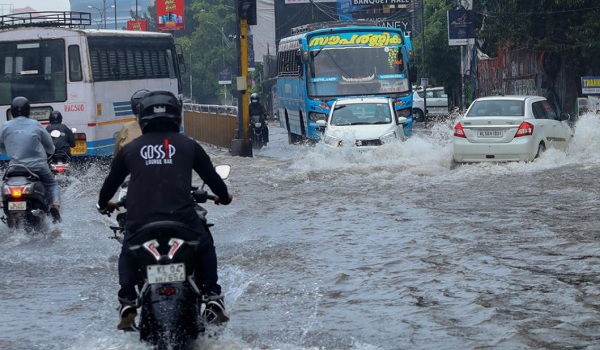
257,129
23,199
173,305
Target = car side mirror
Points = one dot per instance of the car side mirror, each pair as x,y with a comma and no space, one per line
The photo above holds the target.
402,120
565,116
322,122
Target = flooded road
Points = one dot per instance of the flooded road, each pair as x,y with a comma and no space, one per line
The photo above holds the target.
397,249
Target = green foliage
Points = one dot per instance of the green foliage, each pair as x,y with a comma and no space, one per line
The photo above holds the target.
569,27
209,43
435,59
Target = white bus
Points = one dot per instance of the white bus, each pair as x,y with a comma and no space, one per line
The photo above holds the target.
88,75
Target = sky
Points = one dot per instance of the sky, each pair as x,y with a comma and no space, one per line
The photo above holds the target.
40,5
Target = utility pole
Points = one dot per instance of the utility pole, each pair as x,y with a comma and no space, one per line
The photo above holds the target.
246,12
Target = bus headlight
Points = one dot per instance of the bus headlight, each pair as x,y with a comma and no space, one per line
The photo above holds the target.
406,112
317,116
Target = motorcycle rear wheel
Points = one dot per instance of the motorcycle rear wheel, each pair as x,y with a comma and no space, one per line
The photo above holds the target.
175,328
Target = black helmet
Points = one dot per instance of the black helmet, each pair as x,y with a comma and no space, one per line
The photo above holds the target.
254,98
55,117
20,107
161,111
136,98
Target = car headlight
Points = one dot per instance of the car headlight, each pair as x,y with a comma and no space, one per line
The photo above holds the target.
332,141
389,137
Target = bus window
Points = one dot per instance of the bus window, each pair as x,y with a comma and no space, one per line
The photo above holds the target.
170,64
74,64
34,69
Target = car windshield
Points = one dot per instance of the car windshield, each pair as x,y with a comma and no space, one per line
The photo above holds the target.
490,108
361,114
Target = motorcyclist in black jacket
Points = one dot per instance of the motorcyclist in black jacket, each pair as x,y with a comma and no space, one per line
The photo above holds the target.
257,109
160,163
65,141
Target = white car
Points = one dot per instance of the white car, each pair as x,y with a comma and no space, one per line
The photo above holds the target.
365,122
437,103
509,128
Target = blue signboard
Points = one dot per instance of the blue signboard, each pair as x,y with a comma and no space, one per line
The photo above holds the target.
590,85
225,76
461,27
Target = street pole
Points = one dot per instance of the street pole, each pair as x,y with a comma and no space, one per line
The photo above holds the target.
246,15
115,5
245,107
423,35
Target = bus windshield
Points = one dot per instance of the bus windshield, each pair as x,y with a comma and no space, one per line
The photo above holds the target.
34,69
357,71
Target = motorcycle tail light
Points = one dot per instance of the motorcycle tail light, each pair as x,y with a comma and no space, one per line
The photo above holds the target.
166,291
16,192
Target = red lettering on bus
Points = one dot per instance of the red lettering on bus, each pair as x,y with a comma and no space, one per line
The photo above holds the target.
75,107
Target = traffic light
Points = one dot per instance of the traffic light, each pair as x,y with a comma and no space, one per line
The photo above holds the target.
247,11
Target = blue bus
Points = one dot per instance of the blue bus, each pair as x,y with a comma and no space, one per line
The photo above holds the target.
321,62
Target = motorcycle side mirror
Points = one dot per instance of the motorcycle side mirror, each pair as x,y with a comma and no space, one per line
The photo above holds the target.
55,133
223,171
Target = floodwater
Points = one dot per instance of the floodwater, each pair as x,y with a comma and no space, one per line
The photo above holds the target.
395,249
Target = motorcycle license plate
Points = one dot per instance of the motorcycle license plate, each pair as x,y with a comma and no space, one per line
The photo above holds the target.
17,206
165,273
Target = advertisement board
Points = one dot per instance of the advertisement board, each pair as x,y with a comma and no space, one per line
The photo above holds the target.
139,24
590,85
461,27
169,15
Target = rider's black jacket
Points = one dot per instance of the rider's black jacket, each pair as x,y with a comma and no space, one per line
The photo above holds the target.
257,109
160,164
66,139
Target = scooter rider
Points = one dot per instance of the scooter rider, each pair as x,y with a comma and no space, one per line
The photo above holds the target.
131,130
257,109
26,143
66,140
160,163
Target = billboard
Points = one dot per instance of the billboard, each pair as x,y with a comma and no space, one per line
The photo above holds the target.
590,85
225,74
169,15
461,27
139,24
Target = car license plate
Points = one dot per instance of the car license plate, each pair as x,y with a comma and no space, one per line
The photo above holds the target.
165,273
80,147
17,205
490,133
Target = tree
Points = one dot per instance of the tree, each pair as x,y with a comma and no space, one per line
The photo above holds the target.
212,41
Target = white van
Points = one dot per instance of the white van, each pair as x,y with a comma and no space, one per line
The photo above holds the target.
437,103
365,122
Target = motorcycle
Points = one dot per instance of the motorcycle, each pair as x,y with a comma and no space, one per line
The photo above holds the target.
173,305
23,199
257,129
60,162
